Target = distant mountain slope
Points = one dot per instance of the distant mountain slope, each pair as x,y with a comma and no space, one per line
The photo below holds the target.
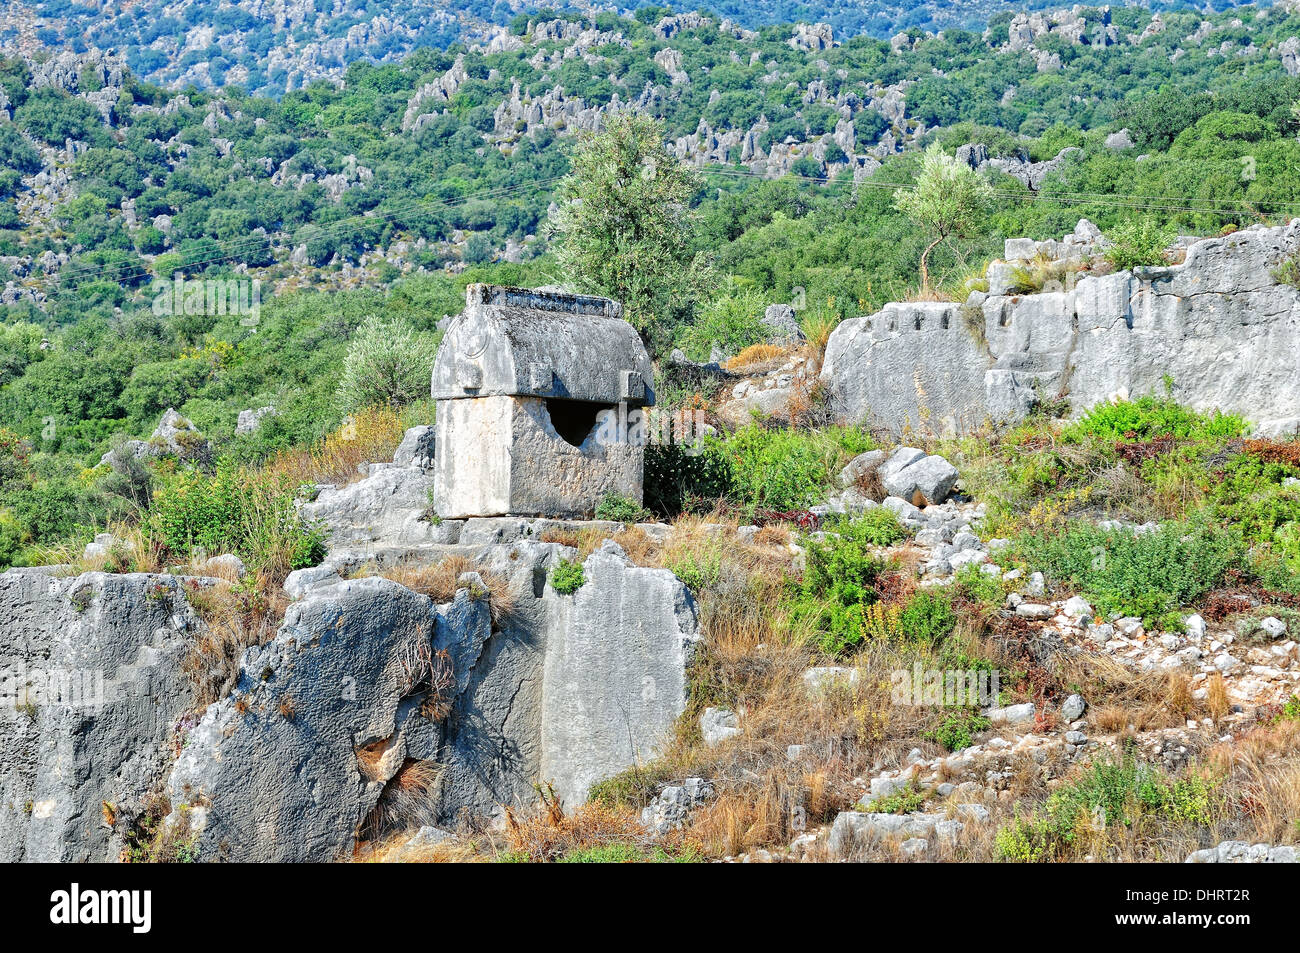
279,45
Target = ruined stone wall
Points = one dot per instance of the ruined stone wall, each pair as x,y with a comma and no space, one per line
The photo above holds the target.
327,738
1219,325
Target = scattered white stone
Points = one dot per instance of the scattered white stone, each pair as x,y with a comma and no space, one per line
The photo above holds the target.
1076,607
1273,627
1011,715
717,725
821,677
1072,708
1034,610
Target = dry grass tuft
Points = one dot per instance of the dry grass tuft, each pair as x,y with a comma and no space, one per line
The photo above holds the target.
439,583
1216,700
237,617
407,801
756,354
545,833
366,436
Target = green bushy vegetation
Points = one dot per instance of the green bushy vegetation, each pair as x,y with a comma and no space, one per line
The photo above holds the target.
788,469
1150,417
1147,574
837,586
957,729
906,801
1123,795
878,526
567,577
1138,243
620,509
235,510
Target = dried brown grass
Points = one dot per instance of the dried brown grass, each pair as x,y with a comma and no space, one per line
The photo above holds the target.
440,581
544,832
236,618
757,354
369,435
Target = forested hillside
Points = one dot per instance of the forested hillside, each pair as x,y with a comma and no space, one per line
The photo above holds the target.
286,44
386,193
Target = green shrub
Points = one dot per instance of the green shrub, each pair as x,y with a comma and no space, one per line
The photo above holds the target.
1023,841
567,577
878,526
633,788
906,801
732,321
620,509
1148,574
1291,710
1148,417
1108,794
235,510
927,618
783,470
957,730
1288,271
699,570
679,480
1139,243
837,585
972,584
387,364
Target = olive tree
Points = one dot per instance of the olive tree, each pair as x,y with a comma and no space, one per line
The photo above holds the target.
388,363
948,200
624,226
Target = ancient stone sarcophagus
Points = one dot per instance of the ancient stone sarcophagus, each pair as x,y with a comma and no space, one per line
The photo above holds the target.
534,390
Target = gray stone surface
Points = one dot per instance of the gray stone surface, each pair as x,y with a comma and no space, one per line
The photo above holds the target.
314,743
782,324
292,764
521,343
615,676
1011,714
1241,852
855,829
417,448
1218,324
861,465
670,809
391,505
539,396
717,725
249,421
927,480
499,455
1073,708
118,642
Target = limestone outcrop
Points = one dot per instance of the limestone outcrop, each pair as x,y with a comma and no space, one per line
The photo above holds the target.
373,703
295,763
1219,325
633,632
93,698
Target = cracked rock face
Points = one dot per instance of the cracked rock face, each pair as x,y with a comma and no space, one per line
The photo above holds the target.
295,762
632,632
328,735
77,761
1218,323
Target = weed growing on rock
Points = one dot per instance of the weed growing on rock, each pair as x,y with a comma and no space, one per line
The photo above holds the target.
620,509
567,577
